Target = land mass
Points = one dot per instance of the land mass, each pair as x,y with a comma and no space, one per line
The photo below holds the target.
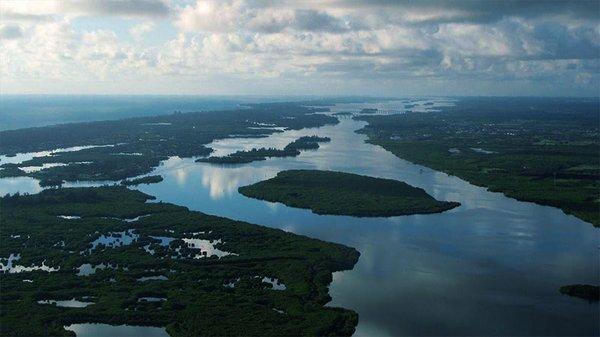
290,150
584,291
146,263
328,192
539,150
116,150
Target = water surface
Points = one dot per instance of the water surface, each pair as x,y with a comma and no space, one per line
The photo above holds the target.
105,330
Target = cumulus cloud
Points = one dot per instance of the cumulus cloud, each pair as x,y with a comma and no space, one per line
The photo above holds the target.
298,42
10,32
140,30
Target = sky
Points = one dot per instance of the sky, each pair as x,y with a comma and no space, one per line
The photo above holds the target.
325,47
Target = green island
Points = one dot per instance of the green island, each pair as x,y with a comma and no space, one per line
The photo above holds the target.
142,180
338,193
291,150
583,291
133,261
116,150
531,149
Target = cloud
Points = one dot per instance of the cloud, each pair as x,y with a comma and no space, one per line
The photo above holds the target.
10,32
443,11
306,44
138,31
134,8
43,10
228,16
563,42
10,16
311,20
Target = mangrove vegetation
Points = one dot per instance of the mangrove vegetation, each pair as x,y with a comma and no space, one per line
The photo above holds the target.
328,192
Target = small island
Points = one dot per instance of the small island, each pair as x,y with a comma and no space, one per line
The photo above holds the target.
291,150
338,193
142,180
583,291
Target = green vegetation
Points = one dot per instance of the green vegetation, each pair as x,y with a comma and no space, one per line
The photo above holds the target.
306,143
133,147
584,291
291,150
327,192
538,150
143,180
205,295
369,111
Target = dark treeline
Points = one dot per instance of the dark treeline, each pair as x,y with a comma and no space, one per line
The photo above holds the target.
143,180
328,192
532,149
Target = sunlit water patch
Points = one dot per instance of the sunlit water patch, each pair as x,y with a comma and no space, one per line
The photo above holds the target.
12,268
275,284
32,169
153,278
206,247
88,269
114,239
69,217
22,157
105,330
72,303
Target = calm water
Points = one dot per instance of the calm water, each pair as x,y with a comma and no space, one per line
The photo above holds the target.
105,330
490,266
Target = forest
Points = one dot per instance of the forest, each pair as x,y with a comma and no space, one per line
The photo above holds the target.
109,246
329,192
539,150
132,147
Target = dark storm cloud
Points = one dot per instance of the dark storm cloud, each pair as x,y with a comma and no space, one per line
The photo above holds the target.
562,43
311,20
489,10
136,8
